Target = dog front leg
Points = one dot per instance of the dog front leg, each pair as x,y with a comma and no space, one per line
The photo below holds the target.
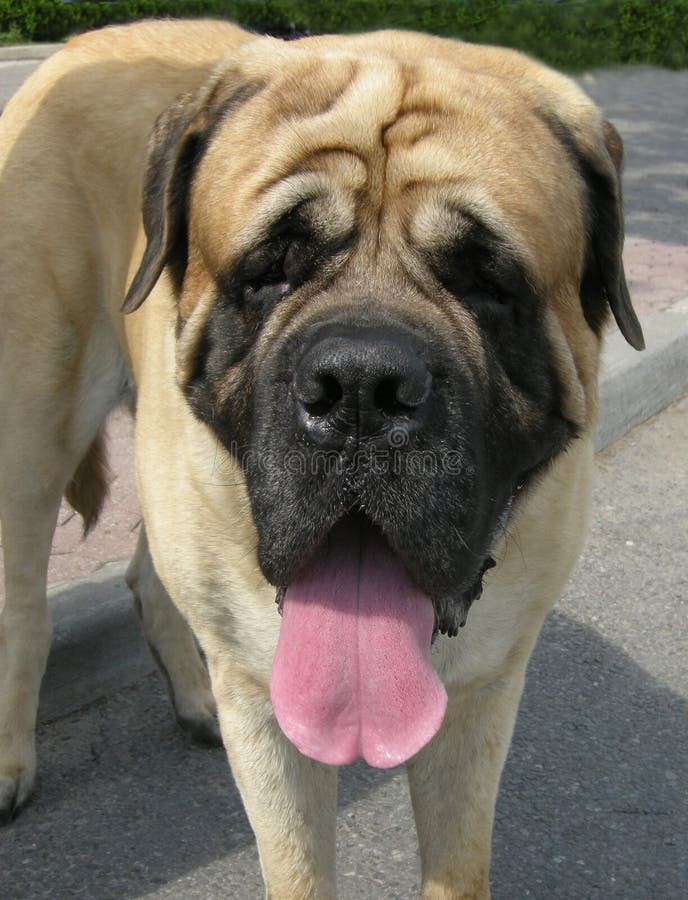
290,800
25,632
454,782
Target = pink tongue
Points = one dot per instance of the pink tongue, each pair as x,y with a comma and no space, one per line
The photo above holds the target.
351,675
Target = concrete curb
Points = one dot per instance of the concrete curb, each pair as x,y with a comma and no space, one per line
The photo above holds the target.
635,386
27,52
97,646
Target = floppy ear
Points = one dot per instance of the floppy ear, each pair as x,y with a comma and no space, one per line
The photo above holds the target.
603,276
175,147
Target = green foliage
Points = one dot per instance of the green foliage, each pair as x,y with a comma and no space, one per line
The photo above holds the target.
7,38
572,34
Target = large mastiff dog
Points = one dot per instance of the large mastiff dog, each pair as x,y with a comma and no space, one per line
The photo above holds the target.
365,290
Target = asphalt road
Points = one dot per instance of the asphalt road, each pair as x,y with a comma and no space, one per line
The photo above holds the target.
12,74
594,796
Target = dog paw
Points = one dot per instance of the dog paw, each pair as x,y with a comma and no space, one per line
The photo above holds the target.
15,793
192,699
202,730
196,712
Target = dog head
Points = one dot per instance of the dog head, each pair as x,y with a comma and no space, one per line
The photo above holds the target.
393,259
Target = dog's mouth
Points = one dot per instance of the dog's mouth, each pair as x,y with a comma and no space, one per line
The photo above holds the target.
352,675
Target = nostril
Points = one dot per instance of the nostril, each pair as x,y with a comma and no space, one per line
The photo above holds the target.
397,396
329,395
386,398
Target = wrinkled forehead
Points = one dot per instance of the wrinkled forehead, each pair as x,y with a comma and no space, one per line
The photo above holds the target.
416,137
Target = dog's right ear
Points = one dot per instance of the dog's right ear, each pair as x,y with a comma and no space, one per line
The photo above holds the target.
175,147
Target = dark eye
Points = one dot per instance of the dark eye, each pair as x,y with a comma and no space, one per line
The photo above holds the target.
277,267
267,274
475,288
480,270
291,256
490,303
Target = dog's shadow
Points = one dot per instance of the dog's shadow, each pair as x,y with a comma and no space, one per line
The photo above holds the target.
590,805
593,798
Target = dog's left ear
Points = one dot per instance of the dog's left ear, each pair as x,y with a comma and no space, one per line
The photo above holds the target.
175,147
604,281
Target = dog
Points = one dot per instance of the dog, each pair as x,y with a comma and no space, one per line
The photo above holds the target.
355,289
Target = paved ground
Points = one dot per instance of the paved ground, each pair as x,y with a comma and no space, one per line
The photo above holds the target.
593,804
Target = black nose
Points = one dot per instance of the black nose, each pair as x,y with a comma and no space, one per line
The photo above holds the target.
361,383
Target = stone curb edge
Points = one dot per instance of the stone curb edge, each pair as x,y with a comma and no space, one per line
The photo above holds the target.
97,647
635,386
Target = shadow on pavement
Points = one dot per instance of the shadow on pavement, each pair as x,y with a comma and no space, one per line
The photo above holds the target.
593,800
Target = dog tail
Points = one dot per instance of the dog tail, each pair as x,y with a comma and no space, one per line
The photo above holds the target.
87,490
